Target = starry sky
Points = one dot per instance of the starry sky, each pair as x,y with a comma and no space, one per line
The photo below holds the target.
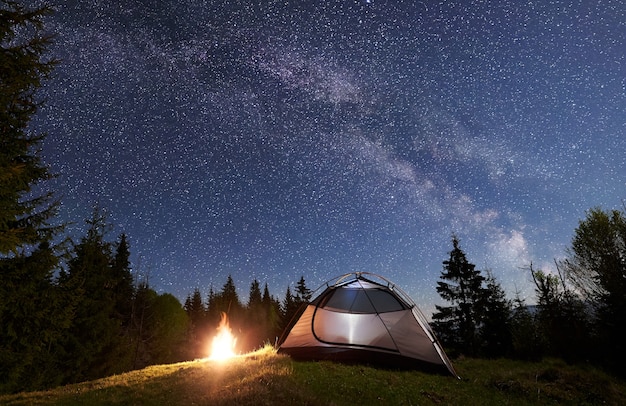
279,139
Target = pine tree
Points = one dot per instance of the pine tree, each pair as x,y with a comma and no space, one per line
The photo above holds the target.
229,293
123,297
495,320
93,347
458,325
229,300
213,311
24,217
272,309
31,316
187,304
123,279
255,299
527,342
140,320
267,298
303,294
290,307
195,310
197,314
33,320
256,316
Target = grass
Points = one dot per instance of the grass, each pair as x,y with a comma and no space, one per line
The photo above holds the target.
265,378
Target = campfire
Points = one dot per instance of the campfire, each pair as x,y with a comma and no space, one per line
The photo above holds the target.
223,346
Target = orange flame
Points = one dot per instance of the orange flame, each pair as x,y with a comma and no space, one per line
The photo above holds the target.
223,346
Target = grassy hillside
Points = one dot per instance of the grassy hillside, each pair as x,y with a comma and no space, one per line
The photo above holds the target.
266,378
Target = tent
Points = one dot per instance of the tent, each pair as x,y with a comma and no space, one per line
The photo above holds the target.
362,317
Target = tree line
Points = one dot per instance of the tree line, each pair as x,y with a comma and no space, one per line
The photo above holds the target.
579,310
82,314
259,321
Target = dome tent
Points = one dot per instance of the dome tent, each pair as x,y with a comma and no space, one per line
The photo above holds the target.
363,317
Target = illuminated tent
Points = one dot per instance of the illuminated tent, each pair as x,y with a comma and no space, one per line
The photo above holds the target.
362,317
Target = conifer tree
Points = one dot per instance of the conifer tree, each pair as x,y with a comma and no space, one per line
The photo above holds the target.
33,320
457,325
213,311
31,316
495,321
255,299
256,318
527,343
195,309
94,344
139,322
229,301
196,312
272,310
24,217
224,301
289,308
303,293
229,295
123,279
267,298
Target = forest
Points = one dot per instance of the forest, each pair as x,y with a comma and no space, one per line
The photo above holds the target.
71,310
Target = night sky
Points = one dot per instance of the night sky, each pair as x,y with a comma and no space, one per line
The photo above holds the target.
274,140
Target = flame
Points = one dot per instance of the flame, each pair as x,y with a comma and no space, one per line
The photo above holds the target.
223,346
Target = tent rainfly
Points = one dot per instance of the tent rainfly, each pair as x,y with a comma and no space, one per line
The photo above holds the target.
362,317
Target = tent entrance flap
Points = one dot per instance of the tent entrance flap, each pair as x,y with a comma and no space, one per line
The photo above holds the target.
365,330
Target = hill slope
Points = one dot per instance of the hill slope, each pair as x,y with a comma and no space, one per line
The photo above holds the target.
266,378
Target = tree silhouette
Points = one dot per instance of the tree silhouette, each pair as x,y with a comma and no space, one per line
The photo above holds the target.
272,308
93,344
562,317
597,267
25,216
495,320
229,298
527,342
255,299
256,318
289,307
123,279
303,293
461,285
32,316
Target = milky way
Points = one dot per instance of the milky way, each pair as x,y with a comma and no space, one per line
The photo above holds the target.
269,140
